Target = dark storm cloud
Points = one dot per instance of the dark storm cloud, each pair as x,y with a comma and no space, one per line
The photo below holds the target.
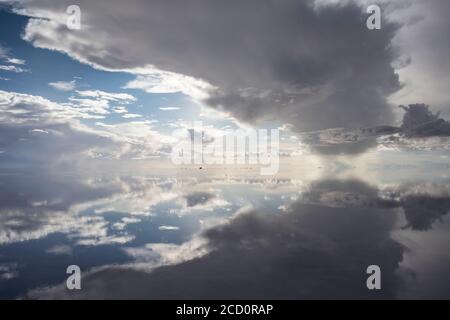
418,122
345,141
315,67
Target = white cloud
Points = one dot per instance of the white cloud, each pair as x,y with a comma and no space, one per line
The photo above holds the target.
3,52
102,95
60,250
11,68
64,85
59,208
131,116
8,271
120,109
23,108
158,81
169,108
99,102
425,62
124,222
5,55
39,131
264,73
16,61
96,106
168,228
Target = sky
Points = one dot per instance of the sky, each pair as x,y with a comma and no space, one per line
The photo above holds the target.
119,86
89,118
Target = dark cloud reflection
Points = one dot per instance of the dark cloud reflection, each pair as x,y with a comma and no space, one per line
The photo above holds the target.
310,251
317,247
196,198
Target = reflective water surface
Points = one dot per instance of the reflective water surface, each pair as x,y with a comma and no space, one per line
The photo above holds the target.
154,234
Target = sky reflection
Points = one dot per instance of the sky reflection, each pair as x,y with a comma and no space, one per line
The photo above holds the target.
214,236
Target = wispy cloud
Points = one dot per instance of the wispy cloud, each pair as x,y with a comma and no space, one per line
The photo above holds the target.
131,116
5,54
12,68
60,250
169,108
16,61
168,228
102,95
64,85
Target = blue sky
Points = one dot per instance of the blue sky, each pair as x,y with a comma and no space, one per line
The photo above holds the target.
47,66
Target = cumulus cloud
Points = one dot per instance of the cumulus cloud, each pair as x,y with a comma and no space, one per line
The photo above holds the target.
38,132
141,138
316,67
294,63
424,43
421,129
419,121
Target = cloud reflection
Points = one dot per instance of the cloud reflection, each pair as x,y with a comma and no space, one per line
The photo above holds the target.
318,246
311,251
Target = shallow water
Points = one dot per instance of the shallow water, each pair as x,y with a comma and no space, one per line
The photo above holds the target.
208,234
